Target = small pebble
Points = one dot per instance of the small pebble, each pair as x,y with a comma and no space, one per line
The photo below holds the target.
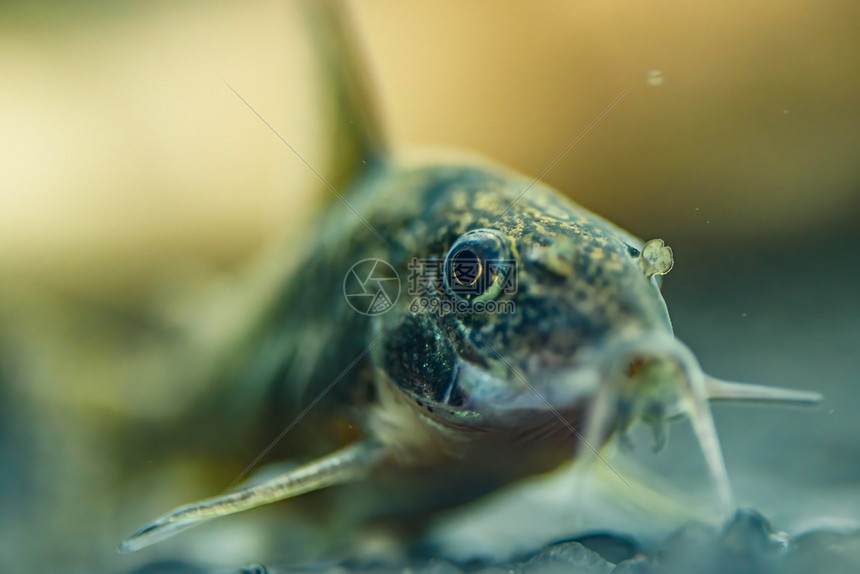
565,558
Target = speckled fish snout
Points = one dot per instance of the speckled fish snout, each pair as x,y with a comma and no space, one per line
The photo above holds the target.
633,368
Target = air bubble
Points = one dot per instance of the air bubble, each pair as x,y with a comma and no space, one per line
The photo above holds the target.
655,78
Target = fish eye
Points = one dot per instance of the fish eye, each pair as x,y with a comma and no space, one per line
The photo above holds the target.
478,266
466,267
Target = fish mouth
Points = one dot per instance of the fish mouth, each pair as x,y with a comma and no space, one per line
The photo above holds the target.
649,377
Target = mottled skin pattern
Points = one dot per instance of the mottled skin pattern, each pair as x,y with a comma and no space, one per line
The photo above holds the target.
442,407
579,284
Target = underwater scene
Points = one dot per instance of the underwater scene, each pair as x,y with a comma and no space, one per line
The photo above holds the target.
433,287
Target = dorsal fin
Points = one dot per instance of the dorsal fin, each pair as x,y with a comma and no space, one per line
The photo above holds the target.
359,139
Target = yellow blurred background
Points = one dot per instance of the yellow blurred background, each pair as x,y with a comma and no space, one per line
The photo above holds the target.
142,203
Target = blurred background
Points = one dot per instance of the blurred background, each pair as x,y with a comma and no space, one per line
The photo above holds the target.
147,215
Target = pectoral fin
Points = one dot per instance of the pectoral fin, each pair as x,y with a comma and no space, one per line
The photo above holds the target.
347,465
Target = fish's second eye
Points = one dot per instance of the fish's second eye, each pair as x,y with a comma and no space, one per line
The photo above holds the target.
478,265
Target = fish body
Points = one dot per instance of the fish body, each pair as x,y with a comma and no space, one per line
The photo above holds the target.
443,388
578,281
523,330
